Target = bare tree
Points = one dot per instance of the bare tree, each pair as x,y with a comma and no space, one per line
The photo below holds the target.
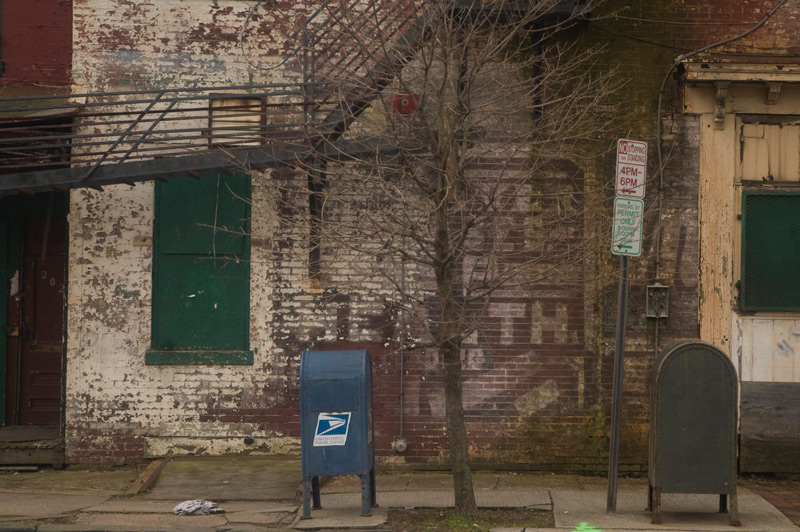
426,177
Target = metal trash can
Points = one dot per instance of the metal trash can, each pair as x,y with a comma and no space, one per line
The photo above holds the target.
336,426
693,424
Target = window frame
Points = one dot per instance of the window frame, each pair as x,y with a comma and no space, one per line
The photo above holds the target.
227,127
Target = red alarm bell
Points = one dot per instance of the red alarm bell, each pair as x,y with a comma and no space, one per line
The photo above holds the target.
404,102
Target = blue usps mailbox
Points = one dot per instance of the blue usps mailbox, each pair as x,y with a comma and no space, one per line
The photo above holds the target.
336,431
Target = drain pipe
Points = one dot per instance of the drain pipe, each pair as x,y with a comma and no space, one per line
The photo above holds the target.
400,444
2,61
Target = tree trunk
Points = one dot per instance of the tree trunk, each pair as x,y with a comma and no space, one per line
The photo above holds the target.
449,339
456,429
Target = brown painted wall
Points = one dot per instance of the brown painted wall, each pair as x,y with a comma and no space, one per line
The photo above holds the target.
36,41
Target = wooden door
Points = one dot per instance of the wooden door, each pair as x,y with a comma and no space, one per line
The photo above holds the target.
4,285
42,320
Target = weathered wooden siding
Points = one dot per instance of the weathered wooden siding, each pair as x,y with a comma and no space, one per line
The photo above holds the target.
730,155
717,215
765,346
770,427
770,349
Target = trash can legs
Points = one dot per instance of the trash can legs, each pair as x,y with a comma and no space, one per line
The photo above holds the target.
735,510
655,506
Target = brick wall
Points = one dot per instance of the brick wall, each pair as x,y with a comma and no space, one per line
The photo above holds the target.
723,20
118,408
537,372
36,43
120,45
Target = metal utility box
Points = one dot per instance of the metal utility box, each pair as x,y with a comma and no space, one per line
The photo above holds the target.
336,428
693,425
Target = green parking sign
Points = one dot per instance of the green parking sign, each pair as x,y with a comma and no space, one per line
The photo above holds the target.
626,238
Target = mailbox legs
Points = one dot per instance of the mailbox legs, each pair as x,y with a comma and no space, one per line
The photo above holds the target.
315,503
311,499
310,493
306,498
372,487
368,498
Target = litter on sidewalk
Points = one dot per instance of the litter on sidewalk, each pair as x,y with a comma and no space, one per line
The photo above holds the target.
197,507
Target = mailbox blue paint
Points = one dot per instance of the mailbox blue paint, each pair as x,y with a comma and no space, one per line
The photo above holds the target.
336,426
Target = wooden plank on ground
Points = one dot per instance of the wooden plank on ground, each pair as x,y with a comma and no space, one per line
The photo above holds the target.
148,477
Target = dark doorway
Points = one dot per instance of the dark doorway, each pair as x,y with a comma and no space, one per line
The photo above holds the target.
33,297
42,322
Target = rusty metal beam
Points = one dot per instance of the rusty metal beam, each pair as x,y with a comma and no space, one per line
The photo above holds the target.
130,173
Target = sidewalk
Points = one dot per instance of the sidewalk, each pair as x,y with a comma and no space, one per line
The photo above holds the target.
262,494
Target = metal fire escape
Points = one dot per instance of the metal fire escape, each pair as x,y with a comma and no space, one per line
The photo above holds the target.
96,139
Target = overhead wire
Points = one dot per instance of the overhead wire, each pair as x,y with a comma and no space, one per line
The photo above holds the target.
680,23
636,39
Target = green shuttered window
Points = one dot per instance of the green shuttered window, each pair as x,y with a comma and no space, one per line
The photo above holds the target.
201,271
770,251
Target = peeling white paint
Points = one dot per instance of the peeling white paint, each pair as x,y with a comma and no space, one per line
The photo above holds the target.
14,285
278,445
538,398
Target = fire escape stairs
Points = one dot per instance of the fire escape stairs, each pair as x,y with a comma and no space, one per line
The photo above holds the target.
98,139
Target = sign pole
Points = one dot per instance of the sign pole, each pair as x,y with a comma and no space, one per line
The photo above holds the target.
626,241
619,373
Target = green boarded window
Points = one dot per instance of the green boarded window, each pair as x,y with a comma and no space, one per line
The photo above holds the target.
201,271
770,251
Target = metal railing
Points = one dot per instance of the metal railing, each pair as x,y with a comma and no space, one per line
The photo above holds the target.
115,127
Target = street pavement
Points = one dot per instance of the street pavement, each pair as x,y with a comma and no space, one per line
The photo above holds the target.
262,494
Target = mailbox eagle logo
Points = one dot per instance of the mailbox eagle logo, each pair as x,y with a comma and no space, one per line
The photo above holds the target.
332,428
